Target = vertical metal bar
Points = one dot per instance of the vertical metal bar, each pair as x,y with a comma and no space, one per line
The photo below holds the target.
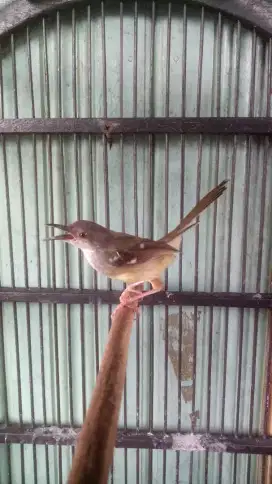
151,331
259,258
105,154
183,113
5,396
34,141
92,178
63,183
135,59
244,249
217,66
121,92
78,174
258,284
22,213
12,269
166,191
105,114
266,467
48,150
135,189
78,209
151,211
3,351
198,184
269,80
237,35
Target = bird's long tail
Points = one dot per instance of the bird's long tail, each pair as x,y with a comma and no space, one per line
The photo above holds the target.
173,238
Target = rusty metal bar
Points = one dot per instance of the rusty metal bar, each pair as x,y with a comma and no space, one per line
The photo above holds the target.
130,439
136,228
149,125
18,351
182,181
216,107
150,218
236,42
184,298
198,184
244,274
48,160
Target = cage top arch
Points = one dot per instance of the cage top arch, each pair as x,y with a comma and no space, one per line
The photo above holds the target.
253,13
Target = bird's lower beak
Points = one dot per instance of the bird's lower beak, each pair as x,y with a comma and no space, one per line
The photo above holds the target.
66,237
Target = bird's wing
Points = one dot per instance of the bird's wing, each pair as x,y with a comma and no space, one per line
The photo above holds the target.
127,249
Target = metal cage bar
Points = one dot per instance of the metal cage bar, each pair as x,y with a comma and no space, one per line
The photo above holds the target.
198,442
139,126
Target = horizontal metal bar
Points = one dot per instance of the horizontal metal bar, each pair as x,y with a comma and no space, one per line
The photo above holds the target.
185,298
252,14
115,126
183,441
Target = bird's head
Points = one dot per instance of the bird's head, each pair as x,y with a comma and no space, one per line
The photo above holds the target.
82,234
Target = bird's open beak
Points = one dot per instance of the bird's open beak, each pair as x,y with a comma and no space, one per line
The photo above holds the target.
67,236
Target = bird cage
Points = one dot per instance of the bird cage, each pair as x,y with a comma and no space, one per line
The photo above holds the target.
127,114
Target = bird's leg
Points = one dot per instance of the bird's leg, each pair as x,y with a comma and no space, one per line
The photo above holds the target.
157,286
144,294
124,298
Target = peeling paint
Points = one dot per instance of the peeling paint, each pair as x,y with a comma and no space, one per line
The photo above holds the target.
60,434
187,349
187,442
197,442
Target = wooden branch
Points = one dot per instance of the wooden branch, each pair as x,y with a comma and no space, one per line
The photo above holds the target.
96,441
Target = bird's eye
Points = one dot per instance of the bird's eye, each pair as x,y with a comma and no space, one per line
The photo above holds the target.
82,234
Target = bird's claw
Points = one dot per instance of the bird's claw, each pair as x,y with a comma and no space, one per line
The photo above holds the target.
124,298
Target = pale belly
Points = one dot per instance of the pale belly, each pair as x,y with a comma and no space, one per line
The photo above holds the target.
130,274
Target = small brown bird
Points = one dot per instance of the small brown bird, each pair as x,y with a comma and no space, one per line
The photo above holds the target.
132,259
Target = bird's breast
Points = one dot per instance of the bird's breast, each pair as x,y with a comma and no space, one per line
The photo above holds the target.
94,259
98,261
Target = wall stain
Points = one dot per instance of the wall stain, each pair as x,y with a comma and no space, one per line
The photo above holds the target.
187,349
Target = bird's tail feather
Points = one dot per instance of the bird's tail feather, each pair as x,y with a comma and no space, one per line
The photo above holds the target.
173,237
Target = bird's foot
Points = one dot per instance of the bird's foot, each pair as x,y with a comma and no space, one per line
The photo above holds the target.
144,294
126,300
125,296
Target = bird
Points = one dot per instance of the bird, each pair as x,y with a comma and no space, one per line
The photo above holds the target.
129,258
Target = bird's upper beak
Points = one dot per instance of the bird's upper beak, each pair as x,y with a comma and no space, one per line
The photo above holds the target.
67,236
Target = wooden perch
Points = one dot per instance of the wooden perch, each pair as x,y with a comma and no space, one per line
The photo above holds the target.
95,446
